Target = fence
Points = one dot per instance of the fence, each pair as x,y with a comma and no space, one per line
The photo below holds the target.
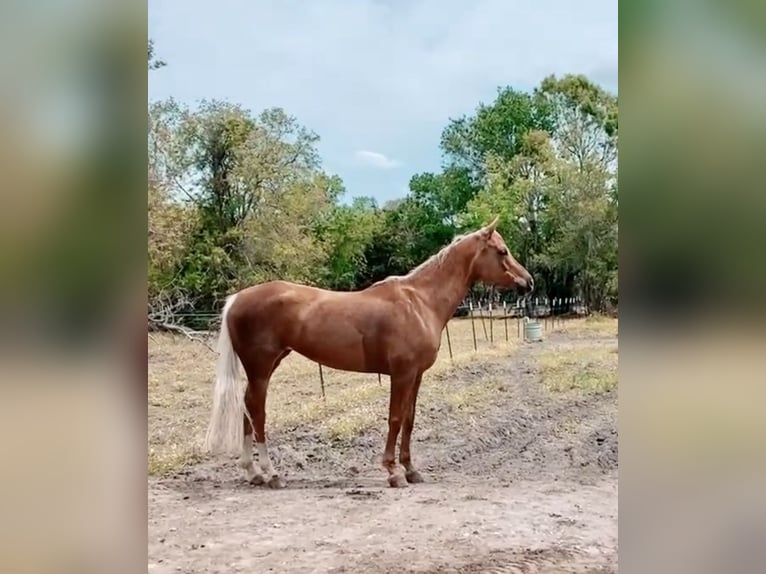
530,307
551,311
485,317
533,307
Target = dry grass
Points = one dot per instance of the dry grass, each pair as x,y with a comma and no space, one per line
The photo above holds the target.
179,401
585,369
594,325
470,398
181,376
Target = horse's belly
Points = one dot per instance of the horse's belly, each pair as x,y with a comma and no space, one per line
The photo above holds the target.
348,359
345,353
344,333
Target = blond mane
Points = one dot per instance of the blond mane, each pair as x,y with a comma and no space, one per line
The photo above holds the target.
435,261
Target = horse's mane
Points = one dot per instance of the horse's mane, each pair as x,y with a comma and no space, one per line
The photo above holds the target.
435,261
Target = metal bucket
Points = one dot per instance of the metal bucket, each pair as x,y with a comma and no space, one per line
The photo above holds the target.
533,331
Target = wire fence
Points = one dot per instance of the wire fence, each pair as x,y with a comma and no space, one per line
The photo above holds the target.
548,312
484,312
491,322
532,307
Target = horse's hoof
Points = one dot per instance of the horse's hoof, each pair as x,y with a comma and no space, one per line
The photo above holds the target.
249,470
414,477
276,482
257,480
397,481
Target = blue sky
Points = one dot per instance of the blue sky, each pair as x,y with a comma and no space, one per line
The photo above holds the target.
378,80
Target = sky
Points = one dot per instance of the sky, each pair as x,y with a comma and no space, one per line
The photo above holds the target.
377,80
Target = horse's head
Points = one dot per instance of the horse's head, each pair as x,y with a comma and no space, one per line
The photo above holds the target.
494,264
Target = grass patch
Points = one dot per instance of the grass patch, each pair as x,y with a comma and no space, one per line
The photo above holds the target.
346,426
171,458
465,398
471,397
587,369
594,325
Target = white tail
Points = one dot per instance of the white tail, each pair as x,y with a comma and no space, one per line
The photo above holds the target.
225,432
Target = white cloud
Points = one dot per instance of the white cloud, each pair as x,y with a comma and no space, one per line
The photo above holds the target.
375,159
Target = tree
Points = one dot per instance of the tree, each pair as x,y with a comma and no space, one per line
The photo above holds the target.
237,198
347,233
559,220
583,246
445,194
169,224
585,120
255,188
280,241
497,129
517,190
409,233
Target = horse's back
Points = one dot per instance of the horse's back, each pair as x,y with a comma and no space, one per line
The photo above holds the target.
264,300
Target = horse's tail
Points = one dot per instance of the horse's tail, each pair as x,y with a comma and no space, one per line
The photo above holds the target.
225,432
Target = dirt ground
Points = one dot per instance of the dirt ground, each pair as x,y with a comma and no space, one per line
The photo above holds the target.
523,479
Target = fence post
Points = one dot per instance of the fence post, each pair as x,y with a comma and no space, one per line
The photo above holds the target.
321,380
449,342
473,326
505,320
491,324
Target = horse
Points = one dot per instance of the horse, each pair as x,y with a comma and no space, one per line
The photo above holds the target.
392,327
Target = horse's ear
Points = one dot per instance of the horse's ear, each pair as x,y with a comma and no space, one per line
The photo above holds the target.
490,229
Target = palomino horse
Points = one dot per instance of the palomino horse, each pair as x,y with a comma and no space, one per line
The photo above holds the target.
392,327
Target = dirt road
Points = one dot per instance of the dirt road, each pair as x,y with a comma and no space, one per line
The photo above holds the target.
524,482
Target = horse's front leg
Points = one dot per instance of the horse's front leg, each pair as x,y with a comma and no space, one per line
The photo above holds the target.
405,457
397,410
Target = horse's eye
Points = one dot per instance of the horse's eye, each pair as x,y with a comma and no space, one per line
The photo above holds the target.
503,252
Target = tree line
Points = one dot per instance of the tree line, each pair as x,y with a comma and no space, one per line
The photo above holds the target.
236,198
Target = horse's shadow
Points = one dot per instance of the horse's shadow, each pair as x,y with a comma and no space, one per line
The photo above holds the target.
353,485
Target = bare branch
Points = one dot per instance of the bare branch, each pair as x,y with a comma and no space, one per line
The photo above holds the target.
196,336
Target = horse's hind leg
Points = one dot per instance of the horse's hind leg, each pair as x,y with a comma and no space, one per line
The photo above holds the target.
246,458
259,371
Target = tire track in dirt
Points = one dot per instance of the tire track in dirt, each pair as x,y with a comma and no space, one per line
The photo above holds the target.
529,561
525,432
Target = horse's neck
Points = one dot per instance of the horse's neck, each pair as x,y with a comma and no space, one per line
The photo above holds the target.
444,286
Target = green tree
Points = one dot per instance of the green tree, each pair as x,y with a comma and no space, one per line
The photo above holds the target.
237,198
583,245
559,220
445,194
496,129
409,233
585,123
347,233
518,190
169,223
255,187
